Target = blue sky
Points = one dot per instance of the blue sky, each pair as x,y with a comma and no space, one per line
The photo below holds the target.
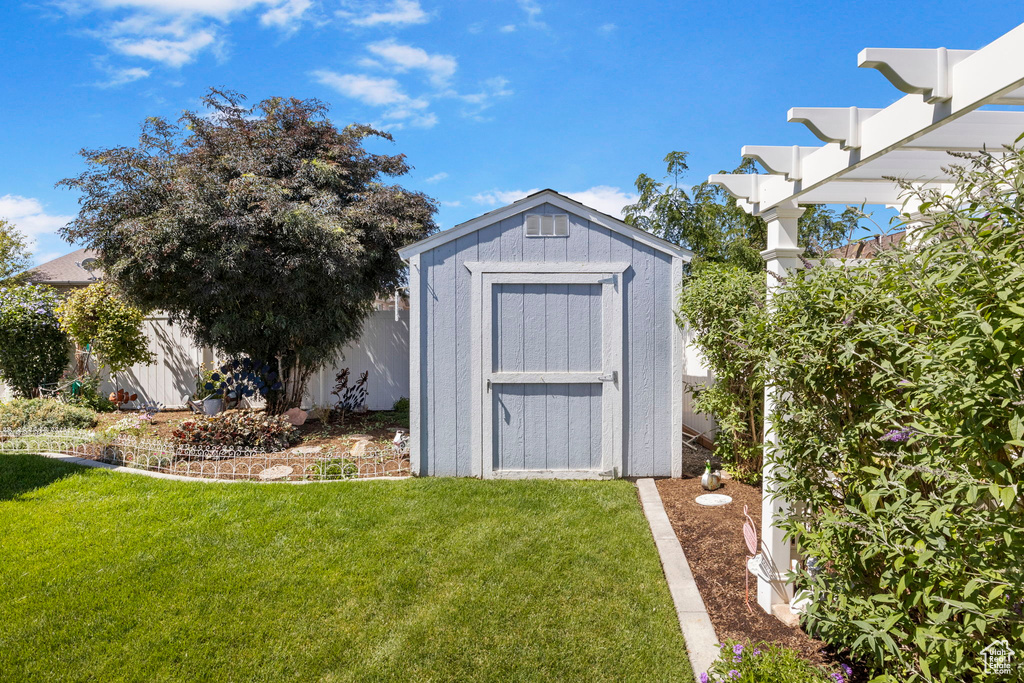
489,99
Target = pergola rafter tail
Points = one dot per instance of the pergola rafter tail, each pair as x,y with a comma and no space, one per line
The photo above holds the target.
908,139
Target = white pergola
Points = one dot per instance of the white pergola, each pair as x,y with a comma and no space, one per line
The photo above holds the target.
950,105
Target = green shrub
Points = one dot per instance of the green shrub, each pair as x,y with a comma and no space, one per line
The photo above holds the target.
44,414
902,435
34,350
87,394
764,663
333,468
724,306
401,406
99,315
238,429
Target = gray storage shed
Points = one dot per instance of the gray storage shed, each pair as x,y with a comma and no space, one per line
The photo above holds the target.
543,344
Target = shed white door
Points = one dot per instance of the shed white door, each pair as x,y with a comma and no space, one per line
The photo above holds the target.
551,371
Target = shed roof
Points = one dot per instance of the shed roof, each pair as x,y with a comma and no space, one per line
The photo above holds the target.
536,199
65,270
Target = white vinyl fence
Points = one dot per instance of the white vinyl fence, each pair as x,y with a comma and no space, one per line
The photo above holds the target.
383,350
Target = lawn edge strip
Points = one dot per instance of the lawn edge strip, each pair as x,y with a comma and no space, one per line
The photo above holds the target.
85,462
694,621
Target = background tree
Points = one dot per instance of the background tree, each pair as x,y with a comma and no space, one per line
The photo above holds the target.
264,231
15,257
99,315
33,347
706,220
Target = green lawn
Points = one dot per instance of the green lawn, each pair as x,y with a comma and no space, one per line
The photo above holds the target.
107,576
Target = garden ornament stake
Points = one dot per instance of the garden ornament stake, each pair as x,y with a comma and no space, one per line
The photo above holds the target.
750,536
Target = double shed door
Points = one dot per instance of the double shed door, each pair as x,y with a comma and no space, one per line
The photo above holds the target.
549,377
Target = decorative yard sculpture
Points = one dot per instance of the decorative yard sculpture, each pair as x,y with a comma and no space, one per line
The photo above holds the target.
710,481
750,536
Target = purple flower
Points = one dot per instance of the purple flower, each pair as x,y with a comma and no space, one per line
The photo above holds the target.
757,652
737,649
733,673
897,435
846,669
838,678
737,659
704,677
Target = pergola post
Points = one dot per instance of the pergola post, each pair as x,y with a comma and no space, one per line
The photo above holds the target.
782,256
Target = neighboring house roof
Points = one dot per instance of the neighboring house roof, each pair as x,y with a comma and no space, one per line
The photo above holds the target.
536,199
870,247
64,270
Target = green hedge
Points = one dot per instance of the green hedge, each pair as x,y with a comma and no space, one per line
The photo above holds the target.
902,435
44,414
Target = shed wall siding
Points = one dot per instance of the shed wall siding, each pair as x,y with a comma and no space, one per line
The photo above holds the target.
445,319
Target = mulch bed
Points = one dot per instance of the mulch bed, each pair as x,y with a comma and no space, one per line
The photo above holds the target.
364,441
712,538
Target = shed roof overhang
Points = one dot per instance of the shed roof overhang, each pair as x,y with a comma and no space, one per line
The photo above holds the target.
910,139
536,199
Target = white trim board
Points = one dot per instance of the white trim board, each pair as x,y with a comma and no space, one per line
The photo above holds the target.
555,199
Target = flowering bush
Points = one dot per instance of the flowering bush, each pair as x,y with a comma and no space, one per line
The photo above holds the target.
43,414
762,663
98,315
136,424
34,350
902,435
237,429
725,307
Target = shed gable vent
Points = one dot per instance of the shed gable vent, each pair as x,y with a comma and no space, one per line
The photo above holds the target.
547,226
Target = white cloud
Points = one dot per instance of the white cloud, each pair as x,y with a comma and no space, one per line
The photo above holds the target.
533,11
452,204
367,89
607,28
401,12
493,89
436,178
496,197
508,28
606,199
401,58
217,9
286,15
116,77
175,32
400,109
30,217
171,52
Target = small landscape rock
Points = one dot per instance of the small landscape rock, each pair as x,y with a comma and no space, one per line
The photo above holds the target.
297,416
275,472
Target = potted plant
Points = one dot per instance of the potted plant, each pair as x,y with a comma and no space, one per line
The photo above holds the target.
209,390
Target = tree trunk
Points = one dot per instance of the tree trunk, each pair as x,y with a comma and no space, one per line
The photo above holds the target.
294,378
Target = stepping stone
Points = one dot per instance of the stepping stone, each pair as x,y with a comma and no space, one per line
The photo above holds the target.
275,472
307,450
713,499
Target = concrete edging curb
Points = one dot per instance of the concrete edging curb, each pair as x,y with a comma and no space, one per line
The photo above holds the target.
698,631
85,462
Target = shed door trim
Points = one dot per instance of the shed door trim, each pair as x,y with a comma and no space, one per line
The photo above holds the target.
487,274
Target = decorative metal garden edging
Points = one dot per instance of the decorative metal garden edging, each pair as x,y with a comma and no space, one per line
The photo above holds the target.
363,460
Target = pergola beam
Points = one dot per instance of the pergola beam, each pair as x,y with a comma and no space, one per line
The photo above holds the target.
971,80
